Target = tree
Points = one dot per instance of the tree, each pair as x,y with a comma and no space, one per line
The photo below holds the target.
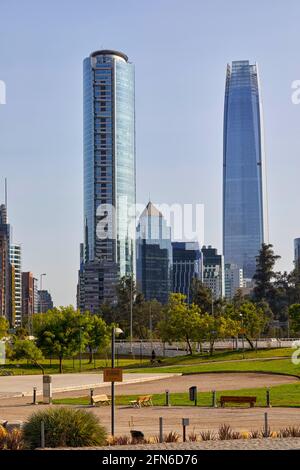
294,316
146,316
252,320
264,274
181,321
216,327
201,295
27,349
95,331
58,332
4,326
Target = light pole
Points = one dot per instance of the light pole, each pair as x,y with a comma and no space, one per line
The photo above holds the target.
131,310
241,315
41,288
81,328
115,332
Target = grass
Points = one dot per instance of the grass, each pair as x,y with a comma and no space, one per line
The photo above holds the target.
287,395
24,368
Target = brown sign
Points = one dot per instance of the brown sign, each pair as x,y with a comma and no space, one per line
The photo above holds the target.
113,375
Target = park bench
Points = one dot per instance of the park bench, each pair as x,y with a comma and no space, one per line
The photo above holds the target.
145,400
232,399
100,400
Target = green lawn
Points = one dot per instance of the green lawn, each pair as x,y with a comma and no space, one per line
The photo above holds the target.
280,366
22,368
281,395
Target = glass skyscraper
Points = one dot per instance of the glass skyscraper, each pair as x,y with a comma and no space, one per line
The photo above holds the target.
244,188
154,255
109,169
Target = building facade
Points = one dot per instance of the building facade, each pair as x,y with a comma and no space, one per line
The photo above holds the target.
297,253
244,186
187,265
16,284
5,269
154,255
234,280
109,171
45,301
213,271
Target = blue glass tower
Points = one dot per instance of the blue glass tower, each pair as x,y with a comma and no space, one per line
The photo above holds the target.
109,169
244,188
154,255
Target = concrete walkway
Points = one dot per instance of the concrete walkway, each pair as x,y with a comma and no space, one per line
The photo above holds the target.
22,385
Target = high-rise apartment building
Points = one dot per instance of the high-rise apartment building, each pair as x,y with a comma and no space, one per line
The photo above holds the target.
213,271
16,284
233,280
187,265
5,269
109,175
45,301
154,255
244,187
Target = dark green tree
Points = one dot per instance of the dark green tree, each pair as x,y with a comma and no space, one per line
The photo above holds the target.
264,275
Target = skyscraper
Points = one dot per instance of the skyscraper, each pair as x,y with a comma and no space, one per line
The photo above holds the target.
109,174
154,255
16,283
187,265
213,271
297,253
233,280
5,270
244,187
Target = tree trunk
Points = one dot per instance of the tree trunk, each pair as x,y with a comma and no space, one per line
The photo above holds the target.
40,366
90,354
189,345
60,365
211,347
250,342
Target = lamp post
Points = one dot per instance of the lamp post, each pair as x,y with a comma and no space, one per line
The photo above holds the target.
115,332
243,345
81,328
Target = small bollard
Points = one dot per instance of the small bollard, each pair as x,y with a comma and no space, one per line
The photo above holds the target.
42,434
214,399
161,435
168,398
92,397
34,402
268,398
266,430
185,423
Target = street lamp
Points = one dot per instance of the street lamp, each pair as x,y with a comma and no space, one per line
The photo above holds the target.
115,332
241,315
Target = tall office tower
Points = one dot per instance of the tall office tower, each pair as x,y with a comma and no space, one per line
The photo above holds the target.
16,284
297,253
154,255
213,271
5,270
109,175
244,187
187,265
45,301
27,299
233,280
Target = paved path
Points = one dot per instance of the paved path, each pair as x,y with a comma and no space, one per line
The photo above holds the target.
243,444
22,385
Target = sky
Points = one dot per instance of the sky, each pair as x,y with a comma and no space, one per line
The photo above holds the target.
180,50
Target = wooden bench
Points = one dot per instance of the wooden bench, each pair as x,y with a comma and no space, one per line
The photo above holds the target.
145,400
100,400
232,399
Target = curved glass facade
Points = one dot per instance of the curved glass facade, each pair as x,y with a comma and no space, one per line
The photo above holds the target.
109,158
244,207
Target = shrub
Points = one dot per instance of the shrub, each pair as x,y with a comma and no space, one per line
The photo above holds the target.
64,427
14,439
171,437
3,435
291,431
207,435
193,436
225,433
255,434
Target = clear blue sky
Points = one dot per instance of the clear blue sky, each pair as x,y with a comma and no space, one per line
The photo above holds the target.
180,50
